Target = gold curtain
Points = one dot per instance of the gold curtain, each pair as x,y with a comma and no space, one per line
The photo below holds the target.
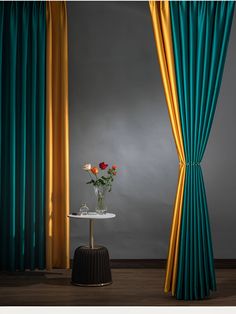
161,20
57,146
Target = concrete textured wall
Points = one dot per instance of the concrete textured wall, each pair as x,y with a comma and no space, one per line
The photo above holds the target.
118,114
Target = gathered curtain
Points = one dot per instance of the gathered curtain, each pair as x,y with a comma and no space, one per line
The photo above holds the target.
194,35
34,176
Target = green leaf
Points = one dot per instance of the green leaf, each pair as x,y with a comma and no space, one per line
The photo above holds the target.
101,181
92,181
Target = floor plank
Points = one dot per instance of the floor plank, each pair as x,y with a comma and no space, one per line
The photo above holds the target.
137,287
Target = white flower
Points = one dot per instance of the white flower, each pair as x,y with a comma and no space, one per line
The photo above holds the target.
87,167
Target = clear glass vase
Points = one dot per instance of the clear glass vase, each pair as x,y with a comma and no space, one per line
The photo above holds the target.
100,192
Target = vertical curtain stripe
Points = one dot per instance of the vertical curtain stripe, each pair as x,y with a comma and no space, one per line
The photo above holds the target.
13,21
33,75
57,190
22,139
41,113
49,141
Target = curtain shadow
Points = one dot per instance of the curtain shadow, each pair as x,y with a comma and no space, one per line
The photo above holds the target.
27,278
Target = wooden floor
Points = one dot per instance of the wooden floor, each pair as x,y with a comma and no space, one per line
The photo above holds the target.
137,287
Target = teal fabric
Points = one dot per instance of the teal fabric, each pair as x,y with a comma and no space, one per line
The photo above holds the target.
22,135
200,32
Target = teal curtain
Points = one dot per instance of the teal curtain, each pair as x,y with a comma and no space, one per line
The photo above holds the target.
22,135
200,32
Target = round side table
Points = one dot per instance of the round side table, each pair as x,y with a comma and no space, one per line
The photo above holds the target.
91,264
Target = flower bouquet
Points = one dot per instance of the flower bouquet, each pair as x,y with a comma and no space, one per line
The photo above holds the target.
102,182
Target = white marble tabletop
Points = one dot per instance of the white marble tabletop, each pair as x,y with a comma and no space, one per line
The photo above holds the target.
93,215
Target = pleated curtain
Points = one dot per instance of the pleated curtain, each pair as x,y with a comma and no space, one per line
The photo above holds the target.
34,163
194,37
57,143
22,125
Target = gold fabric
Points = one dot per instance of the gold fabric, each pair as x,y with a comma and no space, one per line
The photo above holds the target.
57,146
172,261
161,20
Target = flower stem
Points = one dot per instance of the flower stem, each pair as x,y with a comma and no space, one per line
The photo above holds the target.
90,175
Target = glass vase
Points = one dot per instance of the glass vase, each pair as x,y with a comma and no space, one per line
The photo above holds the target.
84,209
100,192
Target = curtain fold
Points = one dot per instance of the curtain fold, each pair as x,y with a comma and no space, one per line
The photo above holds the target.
160,14
34,132
199,34
22,135
200,38
57,146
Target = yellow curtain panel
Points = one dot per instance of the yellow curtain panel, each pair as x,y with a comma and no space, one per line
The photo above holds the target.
161,19
57,138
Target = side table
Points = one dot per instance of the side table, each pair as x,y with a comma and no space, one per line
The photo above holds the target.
91,264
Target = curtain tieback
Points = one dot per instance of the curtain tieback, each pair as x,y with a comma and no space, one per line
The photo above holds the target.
189,164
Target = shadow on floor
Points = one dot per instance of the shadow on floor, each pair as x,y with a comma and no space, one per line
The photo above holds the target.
21,279
131,287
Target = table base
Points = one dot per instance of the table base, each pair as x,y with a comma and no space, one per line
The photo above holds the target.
91,285
91,267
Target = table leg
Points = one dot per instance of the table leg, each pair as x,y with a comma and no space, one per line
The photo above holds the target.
91,238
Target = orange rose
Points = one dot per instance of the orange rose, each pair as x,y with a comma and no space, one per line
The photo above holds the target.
94,170
114,167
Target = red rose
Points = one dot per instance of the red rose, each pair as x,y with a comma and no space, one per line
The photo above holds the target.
114,167
103,165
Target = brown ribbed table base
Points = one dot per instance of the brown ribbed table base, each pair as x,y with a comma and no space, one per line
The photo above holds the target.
91,267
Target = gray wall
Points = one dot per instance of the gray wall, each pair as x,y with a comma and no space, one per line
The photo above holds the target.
118,114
